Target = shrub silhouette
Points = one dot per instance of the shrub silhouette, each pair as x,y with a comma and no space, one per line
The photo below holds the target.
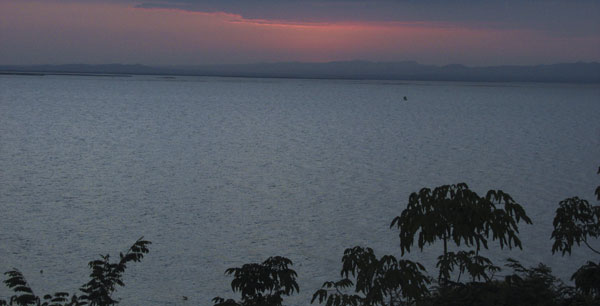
524,287
104,279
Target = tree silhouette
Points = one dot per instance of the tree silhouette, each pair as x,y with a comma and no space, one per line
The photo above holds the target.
576,221
382,281
454,213
262,284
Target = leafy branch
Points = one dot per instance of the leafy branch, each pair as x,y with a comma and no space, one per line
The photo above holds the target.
98,291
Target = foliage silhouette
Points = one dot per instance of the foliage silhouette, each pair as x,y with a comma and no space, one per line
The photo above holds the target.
598,188
524,287
97,291
23,293
479,267
106,276
262,284
576,221
378,281
587,279
455,213
449,213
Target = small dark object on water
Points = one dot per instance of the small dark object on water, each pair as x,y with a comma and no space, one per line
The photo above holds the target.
185,298
405,98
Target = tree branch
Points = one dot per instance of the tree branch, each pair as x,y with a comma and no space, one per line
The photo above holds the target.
586,243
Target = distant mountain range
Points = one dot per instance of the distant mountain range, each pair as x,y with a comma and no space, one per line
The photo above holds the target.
408,70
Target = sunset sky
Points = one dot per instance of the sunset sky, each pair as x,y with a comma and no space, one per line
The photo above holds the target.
186,32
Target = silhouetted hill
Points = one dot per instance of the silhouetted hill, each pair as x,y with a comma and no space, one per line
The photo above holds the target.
407,70
82,69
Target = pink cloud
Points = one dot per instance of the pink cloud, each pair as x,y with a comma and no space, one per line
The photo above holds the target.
92,32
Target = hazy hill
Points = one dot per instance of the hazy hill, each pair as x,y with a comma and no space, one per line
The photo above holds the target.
408,70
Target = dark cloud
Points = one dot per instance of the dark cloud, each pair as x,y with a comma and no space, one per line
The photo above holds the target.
569,17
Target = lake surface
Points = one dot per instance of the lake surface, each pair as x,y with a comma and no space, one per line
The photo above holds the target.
218,172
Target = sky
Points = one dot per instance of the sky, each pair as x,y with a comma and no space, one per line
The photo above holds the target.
188,32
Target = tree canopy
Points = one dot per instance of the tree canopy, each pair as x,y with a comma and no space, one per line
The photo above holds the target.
262,284
454,213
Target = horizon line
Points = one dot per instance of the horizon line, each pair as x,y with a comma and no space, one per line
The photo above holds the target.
303,62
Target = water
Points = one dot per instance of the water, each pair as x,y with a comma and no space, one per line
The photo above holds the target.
218,172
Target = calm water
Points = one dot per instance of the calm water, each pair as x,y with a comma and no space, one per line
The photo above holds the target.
218,172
